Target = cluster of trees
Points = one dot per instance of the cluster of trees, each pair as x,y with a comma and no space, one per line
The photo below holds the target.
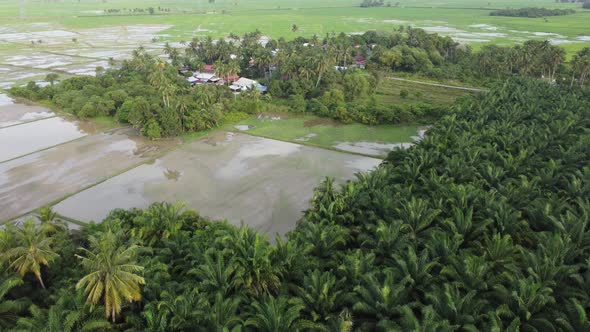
145,92
532,12
533,58
483,226
586,5
321,76
537,59
373,3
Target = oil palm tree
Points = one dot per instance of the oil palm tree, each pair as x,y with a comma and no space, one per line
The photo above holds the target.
320,295
10,309
380,303
278,314
222,315
112,273
159,221
217,274
66,315
253,258
30,251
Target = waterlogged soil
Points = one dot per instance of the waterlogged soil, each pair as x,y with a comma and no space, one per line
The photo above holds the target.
29,137
380,148
12,114
371,148
47,47
44,177
261,182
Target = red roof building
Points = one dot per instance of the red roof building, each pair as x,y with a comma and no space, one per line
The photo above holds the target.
208,69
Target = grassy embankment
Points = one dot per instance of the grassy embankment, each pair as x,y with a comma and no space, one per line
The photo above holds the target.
325,133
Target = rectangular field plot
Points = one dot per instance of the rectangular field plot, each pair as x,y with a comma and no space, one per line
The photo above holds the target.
264,183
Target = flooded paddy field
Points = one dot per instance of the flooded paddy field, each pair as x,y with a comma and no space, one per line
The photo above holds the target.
44,177
31,51
262,182
12,114
29,137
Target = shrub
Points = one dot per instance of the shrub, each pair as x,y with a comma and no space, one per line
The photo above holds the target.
404,93
235,116
297,103
152,130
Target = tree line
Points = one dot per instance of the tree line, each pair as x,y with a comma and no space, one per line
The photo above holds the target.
532,12
150,10
322,76
482,226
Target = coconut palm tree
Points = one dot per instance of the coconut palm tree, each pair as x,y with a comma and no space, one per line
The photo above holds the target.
112,273
233,68
50,223
51,78
30,251
321,64
581,65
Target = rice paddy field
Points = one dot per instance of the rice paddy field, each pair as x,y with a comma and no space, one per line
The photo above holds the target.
271,162
73,37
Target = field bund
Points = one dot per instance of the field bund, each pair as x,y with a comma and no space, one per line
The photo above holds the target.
261,182
85,172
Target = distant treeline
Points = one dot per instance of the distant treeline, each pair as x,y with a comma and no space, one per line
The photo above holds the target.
532,12
374,3
150,10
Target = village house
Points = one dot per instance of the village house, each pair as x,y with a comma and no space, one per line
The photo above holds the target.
244,84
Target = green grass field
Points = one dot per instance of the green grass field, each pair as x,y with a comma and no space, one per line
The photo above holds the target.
311,130
461,18
388,92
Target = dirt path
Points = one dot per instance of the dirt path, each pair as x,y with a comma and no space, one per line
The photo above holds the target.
438,85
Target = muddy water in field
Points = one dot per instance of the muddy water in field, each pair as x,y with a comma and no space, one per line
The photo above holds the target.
29,137
262,182
43,177
371,148
13,114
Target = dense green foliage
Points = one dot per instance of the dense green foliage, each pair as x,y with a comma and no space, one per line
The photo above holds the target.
483,226
323,77
532,12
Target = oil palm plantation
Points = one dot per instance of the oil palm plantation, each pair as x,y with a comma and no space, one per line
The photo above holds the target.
10,309
278,314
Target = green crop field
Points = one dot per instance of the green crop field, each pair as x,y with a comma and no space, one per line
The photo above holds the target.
467,21
389,91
